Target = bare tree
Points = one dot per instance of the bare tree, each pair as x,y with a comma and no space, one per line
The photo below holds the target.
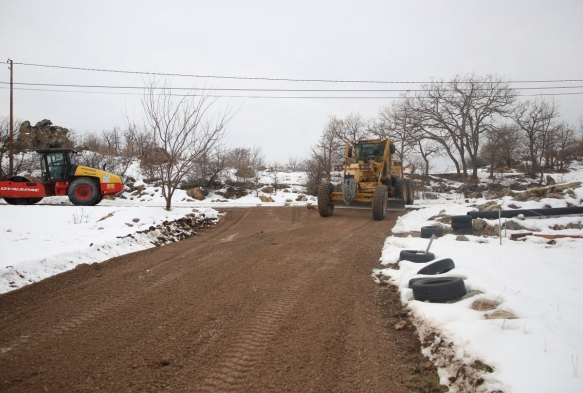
275,169
353,128
329,147
457,113
562,146
293,164
400,123
536,119
184,129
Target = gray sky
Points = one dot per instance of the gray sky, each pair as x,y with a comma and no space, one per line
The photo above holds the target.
333,40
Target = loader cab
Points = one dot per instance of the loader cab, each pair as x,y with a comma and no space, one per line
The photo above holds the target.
56,164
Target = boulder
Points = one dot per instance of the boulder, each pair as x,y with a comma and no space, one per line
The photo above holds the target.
44,134
479,225
265,198
301,198
196,193
267,190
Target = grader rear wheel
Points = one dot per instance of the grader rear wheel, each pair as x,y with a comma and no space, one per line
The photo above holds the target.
379,202
410,193
325,206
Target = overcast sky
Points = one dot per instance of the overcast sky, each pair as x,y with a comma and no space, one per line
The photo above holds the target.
333,40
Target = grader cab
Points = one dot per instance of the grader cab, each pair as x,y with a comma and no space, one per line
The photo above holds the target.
371,176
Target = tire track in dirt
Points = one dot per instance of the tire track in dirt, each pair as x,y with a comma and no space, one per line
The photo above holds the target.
27,342
233,371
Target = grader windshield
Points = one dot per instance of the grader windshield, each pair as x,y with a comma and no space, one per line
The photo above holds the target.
366,150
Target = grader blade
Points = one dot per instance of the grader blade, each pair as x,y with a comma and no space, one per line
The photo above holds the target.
395,205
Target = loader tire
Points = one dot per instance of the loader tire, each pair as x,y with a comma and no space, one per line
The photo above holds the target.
84,192
379,202
325,206
439,289
410,193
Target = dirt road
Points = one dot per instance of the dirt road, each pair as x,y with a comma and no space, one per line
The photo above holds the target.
272,299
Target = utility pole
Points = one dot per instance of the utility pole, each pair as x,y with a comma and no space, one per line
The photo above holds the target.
10,157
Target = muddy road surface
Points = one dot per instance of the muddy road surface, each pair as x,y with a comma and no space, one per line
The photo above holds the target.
269,300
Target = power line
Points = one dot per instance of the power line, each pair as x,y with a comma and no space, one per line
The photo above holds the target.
271,90
265,78
255,96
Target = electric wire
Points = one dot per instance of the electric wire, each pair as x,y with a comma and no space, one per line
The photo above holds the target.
263,78
257,96
271,90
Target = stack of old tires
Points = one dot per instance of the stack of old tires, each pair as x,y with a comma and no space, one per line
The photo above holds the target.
462,225
436,288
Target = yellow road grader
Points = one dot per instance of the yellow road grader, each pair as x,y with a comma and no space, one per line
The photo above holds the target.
370,176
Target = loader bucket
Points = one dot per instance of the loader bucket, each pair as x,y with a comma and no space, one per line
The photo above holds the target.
395,205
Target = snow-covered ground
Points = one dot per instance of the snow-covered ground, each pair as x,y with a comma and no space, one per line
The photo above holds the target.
537,280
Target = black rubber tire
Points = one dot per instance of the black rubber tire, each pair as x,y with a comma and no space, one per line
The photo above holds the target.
463,229
23,201
379,202
428,231
411,281
416,256
84,191
325,207
461,219
439,289
32,201
410,193
15,201
401,190
438,267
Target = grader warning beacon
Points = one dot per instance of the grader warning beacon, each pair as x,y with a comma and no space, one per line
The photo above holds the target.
370,176
61,176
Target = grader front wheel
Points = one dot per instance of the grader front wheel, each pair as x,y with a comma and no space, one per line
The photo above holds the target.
325,206
379,202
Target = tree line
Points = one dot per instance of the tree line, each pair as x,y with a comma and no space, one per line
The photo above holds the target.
472,121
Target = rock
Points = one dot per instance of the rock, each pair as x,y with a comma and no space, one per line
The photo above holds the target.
513,225
401,325
301,198
265,198
484,305
267,190
479,225
136,220
461,238
44,134
492,207
310,206
550,181
196,193
554,195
